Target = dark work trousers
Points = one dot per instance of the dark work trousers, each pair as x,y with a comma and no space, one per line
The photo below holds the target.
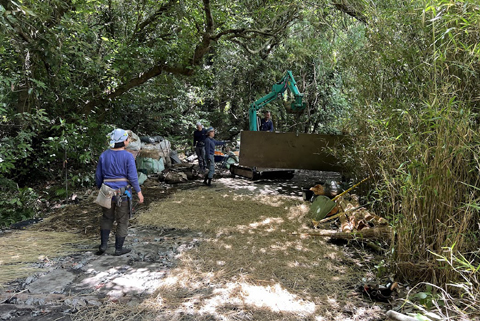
200,151
119,214
211,166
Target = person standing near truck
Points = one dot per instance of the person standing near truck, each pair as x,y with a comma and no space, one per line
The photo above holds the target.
266,124
199,144
210,144
116,169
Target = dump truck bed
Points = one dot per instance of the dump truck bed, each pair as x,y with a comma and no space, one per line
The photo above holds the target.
289,150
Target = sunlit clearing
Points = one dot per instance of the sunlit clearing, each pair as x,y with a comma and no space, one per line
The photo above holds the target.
140,280
298,212
333,302
267,221
275,298
331,256
274,201
170,281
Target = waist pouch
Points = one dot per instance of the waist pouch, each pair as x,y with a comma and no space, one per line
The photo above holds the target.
105,195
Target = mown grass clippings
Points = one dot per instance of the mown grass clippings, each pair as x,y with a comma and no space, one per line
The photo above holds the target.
20,248
212,211
248,265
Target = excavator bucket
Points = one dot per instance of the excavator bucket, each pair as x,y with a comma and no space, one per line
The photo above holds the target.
291,108
288,150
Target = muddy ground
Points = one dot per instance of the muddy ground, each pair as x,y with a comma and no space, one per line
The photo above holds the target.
170,276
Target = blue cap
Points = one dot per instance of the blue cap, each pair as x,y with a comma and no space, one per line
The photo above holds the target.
210,129
118,136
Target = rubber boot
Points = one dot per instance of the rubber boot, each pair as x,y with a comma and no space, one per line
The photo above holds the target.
119,250
205,180
209,182
104,234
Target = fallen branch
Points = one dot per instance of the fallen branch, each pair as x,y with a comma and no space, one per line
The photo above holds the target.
327,219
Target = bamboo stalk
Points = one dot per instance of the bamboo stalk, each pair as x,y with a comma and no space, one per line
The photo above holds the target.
348,190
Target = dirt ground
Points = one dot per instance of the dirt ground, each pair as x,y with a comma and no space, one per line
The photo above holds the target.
198,253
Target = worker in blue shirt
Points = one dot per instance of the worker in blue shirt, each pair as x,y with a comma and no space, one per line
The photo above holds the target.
266,123
116,169
210,144
199,144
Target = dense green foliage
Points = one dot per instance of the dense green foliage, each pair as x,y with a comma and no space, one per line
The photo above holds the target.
68,68
399,76
416,85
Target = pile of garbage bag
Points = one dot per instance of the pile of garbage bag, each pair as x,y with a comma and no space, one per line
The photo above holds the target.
156,159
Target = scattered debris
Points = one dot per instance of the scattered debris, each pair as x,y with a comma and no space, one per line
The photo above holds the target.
172,177
174,157
378,292
135,145
24,224
356,222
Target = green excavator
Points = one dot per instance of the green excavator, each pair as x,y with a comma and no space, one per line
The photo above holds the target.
267,150
287,82
286,151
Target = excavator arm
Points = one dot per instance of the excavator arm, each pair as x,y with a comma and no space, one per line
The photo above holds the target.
287,82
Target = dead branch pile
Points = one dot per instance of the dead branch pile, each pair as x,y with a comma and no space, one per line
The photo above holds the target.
355,220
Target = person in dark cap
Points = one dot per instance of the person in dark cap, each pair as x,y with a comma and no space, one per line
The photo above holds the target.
210,144
116,169
199,144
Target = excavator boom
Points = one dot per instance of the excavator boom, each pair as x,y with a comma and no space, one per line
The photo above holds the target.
287,82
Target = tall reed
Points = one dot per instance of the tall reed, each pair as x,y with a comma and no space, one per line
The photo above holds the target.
416,127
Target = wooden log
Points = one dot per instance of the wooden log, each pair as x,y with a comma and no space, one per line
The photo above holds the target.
399,317
383,233
375,247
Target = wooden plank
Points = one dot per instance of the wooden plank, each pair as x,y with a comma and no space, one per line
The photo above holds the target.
241,171
288,150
